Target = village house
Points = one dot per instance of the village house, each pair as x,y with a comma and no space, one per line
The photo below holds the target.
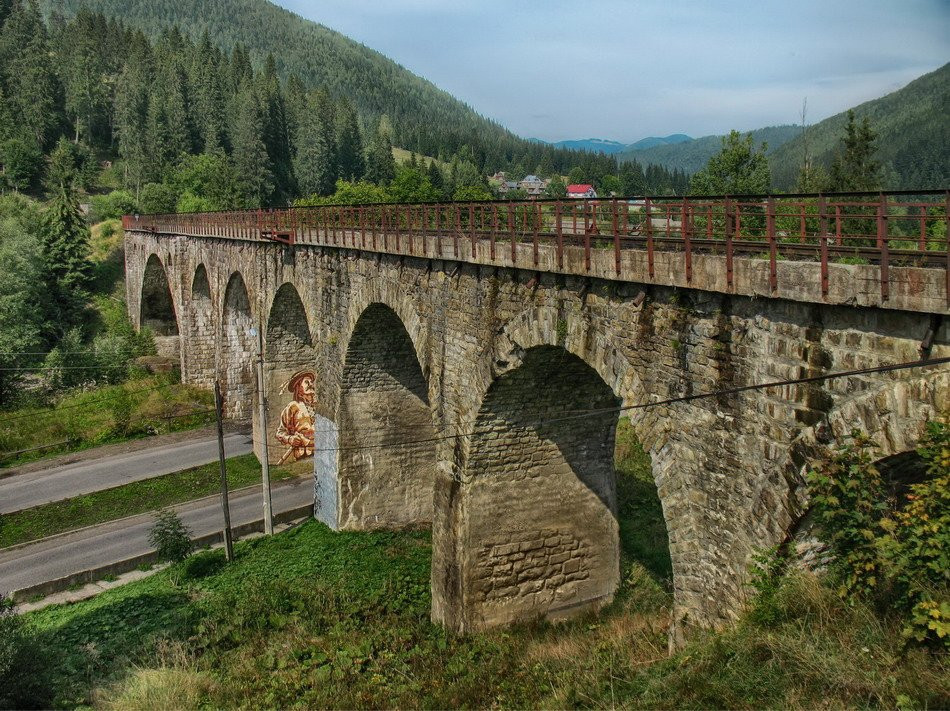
583,190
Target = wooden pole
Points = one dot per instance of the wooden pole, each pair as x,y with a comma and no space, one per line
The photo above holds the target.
225,508
265,464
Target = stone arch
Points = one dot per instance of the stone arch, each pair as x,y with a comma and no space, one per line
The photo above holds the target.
384,402
238,350
157,308
539,494
201,346
289,361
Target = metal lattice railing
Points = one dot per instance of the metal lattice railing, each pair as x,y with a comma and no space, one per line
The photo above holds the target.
885,229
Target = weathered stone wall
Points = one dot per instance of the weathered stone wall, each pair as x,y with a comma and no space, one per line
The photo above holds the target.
384,404
728,468
199,350
540,531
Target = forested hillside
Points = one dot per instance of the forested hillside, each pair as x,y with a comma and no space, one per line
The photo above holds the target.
692,155
424,118
913,137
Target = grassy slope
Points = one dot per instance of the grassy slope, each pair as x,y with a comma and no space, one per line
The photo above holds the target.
321,56
313,618
129,499
693,155
913,136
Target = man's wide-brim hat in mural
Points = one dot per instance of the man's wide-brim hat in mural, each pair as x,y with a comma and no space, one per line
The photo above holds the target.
297,378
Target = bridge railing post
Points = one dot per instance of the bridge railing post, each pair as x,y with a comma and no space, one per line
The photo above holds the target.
559,228
616,225
511,230
773,246
494,230
648,222
688,246
823,237
471,227
883,244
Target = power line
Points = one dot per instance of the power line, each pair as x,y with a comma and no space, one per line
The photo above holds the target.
669,401
66,367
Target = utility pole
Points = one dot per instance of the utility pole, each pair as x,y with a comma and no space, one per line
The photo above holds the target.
225,508
262,418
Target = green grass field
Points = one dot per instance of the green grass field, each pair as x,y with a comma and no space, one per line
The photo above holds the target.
316,619
129,499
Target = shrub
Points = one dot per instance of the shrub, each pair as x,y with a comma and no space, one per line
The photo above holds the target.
157,197
202,565
114,205
170,536
23,669
896,555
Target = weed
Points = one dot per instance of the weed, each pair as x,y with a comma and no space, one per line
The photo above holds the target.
171,537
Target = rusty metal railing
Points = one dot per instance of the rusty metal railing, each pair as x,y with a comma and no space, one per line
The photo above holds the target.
885,229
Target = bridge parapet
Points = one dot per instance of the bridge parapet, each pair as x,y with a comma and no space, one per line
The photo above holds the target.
887,250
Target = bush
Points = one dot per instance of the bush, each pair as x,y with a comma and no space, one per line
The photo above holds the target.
894,553
204,564
114,205
22,664
157,197
170,536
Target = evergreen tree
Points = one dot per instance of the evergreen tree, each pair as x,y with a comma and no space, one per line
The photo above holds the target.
86,91
436,179
277,134
32,87
315,164
855,167
254,179
207,106
738,169
556,188
66,268
132,110
380,163
349,144
632,178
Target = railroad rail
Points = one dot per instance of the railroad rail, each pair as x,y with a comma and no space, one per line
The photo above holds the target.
885,229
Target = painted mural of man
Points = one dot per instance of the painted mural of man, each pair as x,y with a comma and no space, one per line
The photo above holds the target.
296,420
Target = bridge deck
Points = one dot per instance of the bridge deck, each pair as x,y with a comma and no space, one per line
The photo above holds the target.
888,249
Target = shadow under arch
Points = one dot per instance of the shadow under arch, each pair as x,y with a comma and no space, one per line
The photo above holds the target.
538,499
157,308
290,379
201,339
384,403
238,349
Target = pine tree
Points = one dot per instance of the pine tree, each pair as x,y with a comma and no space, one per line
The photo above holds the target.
276,134
206,89
132,111
854,167
380,163
83,72
255,180
349,144
436,178
66,266
738,169
33,89
315,163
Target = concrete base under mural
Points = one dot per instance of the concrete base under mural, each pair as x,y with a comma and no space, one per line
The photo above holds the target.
325,474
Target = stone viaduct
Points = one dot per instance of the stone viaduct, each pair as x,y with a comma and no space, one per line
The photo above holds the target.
474,387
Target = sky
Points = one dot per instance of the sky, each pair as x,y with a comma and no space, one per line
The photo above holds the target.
626,69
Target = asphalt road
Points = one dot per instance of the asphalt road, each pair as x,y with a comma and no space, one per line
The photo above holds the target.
90,548
22,491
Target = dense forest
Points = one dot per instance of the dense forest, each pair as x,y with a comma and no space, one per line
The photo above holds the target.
194,126
913,135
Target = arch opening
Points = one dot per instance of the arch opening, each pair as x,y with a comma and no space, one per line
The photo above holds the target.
201,349
291,380
541,534
157,310
384,403
237,351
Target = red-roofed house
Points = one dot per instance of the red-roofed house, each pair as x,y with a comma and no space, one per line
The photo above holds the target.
581,191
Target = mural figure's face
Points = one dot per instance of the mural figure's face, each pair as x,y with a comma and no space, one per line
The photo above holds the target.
305,391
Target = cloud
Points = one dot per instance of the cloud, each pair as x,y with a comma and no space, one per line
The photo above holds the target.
624,69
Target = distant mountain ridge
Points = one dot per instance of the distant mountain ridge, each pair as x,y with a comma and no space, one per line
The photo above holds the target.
913,136
603,145
691,156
